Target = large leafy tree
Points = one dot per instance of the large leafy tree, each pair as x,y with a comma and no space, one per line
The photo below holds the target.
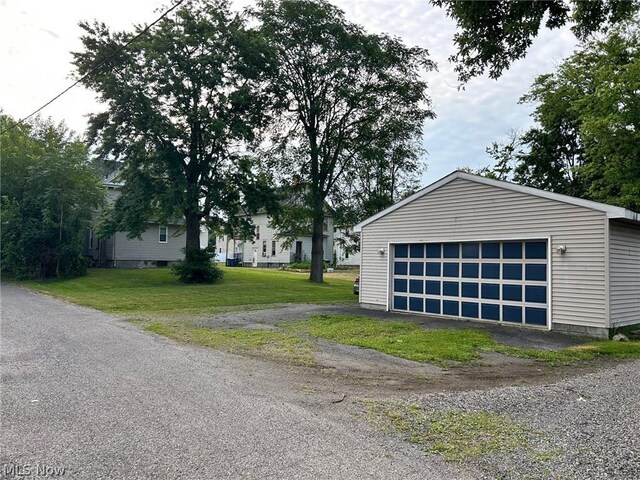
586,141
343,97
493,34
182,103
49,192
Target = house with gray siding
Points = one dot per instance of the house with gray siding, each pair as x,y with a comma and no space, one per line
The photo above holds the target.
158,246
479,249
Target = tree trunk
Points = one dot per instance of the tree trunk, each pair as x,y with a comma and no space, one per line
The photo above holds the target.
192,224
317,250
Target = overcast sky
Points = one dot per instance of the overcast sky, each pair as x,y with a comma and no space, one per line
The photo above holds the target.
36,37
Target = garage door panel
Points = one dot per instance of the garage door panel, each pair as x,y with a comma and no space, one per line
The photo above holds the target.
504,281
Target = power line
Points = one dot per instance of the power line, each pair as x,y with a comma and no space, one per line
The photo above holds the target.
95,67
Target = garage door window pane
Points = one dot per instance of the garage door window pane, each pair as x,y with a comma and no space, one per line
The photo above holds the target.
415,286
402,251
512,314
433,269
450,308
400,268
512,271
451,250
490,270
490,311
417,250
450,269
469,310
470,270
535,272
535,250
399,303
512,293
470,250
535,316
535,294
512,250
432,306
450,289
491,291
490,250
416,268
432,287
434,250
416,304
399,285
469,290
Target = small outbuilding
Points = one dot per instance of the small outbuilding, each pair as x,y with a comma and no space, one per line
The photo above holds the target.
480,249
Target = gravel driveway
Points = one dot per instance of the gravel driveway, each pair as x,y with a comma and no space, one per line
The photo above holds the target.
87,392
96,395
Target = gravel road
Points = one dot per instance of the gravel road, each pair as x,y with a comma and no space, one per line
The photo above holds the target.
87,392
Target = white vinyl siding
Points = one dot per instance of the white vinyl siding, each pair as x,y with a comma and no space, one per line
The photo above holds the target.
624,278
269,234
464,210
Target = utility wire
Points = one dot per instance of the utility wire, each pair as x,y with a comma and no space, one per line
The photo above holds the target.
95,67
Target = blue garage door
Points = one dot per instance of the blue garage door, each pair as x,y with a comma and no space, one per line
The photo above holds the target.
498,281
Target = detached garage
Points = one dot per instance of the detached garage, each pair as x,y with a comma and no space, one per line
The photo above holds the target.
480,249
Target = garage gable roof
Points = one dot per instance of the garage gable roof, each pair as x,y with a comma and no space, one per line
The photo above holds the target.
610,210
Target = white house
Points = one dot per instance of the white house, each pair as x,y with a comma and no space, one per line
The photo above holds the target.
158,246
480,249
343,257
266,250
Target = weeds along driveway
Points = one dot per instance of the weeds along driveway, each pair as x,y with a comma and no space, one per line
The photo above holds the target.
365,371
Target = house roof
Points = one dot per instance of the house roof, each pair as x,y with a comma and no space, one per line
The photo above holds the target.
610,210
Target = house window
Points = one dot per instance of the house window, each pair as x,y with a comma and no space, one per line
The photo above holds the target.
162,234
257,232
91,239
273,248
346,254
325,226
264,248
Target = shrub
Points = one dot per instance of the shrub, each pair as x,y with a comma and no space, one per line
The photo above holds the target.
197,267
301,265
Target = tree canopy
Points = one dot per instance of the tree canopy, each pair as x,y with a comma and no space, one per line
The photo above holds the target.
493,34
49,193
346,102
182,104
586,141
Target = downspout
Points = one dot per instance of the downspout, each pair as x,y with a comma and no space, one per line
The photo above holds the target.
114,250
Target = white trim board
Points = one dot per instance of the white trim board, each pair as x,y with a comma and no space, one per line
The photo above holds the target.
610,210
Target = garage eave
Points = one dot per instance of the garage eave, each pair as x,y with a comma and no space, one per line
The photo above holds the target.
610,210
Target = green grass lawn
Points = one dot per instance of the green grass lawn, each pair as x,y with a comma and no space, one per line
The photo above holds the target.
155,290
410,341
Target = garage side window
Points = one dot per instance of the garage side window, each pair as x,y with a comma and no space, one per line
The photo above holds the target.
162,234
